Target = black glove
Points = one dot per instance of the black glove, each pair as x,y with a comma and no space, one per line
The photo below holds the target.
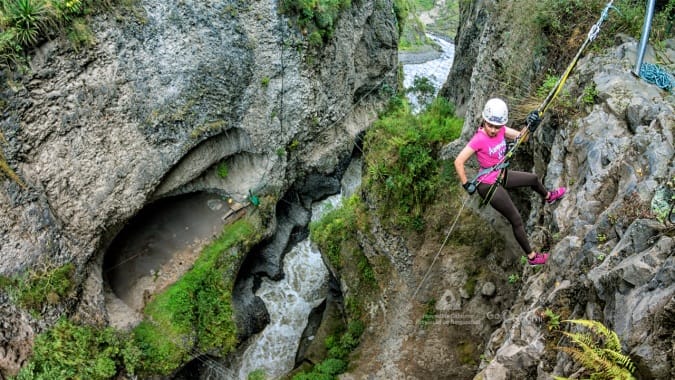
533,120
470,187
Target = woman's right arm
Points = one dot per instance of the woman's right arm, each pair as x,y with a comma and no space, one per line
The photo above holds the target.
464,155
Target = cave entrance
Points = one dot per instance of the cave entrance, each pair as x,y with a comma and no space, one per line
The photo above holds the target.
160,244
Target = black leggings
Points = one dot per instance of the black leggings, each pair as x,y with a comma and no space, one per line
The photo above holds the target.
501,201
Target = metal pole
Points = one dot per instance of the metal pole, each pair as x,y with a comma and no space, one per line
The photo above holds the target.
646,27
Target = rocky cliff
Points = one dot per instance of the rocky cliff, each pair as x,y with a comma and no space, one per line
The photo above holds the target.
614,152
169,91
611,244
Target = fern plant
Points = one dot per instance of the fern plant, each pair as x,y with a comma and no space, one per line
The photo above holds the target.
599,351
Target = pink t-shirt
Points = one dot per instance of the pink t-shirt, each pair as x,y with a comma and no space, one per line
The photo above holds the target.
489,152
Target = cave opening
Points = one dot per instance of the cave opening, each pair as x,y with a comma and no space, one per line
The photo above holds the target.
161,243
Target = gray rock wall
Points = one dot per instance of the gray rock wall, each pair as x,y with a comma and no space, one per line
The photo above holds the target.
611,258
170,90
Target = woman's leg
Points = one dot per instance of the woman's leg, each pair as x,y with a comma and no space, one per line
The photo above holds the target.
521,179
501,201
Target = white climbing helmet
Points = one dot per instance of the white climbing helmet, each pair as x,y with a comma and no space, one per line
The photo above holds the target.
495,112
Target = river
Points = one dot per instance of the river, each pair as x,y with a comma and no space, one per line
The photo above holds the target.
290,300
434,66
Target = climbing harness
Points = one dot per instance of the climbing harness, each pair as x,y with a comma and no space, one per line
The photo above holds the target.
501,181
522,137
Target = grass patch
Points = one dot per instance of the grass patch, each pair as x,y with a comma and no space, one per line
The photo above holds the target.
26,23
339,345
222,170
36,290
191,317
336,236
195,313
337,227
429,316
72,351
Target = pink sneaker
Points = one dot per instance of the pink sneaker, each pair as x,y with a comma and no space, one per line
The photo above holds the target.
539,259
555,194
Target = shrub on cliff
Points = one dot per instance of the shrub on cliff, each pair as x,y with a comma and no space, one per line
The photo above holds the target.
316,18
72,351
402,168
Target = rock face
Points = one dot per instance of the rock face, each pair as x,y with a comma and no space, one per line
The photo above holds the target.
171,90
611,257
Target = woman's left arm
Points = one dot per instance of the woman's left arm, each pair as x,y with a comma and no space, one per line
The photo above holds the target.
511,133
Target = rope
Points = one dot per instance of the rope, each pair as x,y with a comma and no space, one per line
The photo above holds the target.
454,223
656,75
592,35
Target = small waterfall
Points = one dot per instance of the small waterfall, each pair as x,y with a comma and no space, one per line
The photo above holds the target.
288,302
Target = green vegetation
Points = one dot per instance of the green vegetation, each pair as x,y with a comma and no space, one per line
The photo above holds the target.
35,290
222,170
468,352
293,145
71,351
424,90
663,203
192,316
195,312
336,236
523,260
424,5
402,9
339,346
547,85
553,319
552,33
413,36
338,227
8,171
473,273
413,31
429,313
513,278
402,169
315,18
590,95
560,20
598,351
25,23
258,374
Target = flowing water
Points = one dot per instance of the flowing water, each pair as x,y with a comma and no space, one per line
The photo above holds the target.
436,70
290,300
305,285
161,245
